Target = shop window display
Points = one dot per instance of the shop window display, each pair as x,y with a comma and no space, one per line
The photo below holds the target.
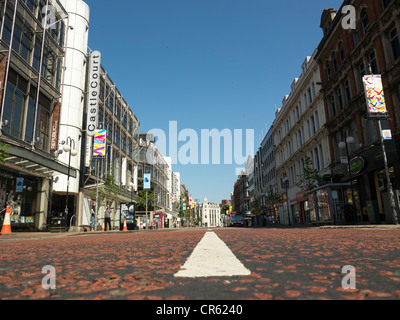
19,194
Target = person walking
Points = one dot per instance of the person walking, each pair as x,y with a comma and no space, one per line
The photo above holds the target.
107,218
92,216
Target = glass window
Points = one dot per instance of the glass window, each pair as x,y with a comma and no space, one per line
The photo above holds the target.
340,99
8,107
341,52
25,50
394,42
364,20
333,106
16,38
30,4
356,37
29,120
7,29
13,109
373,63
19,100
36,53
347,89
385,3
334,61
43,129
328,70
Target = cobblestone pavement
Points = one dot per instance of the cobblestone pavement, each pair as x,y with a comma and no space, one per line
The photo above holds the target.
292,263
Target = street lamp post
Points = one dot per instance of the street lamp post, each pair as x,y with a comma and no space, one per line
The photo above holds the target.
389,184
69,146
344,145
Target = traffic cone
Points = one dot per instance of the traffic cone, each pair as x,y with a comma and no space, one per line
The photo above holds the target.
102,228
7,222
125,228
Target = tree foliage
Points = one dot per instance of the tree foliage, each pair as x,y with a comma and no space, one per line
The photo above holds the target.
3,152
272,197
109,191
310,180
141,199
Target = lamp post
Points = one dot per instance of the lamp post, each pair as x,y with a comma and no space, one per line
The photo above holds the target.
69,146
389,184
132,185
344,146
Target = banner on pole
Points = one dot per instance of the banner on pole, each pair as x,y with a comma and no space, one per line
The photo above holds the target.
146,181
99,143
376,105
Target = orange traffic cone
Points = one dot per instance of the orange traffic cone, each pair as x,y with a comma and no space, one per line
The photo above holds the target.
102,229
7,222
125,228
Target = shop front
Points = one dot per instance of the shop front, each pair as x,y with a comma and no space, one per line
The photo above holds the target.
18,191
328,204
367,196
25,186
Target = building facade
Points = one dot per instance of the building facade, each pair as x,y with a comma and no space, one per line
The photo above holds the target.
345,55
32,58
301,140
151,161
265,177
209,213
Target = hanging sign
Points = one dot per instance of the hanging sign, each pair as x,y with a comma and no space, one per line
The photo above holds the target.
357,165
376,105
93,92
99,143
146,180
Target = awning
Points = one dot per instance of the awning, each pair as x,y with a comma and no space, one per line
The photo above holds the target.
34,163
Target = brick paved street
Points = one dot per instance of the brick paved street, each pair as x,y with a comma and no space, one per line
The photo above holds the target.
303,263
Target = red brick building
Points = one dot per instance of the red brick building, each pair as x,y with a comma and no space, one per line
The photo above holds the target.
346,53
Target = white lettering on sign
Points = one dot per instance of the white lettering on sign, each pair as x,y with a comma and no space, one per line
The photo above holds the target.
93,94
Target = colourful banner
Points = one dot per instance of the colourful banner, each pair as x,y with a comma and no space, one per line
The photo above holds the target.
99,143
374,94
172,197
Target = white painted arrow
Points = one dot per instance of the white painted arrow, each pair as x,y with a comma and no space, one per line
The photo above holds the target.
212,258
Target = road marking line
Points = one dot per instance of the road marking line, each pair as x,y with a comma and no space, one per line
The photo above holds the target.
212,258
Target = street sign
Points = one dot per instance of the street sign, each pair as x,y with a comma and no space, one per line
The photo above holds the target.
344,160
387,134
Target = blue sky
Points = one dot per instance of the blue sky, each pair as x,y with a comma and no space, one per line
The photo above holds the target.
205,64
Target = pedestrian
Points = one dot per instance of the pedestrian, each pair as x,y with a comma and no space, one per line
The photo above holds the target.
107,218
92,216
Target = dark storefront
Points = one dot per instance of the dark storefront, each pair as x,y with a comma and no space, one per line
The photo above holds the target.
19,192
368,189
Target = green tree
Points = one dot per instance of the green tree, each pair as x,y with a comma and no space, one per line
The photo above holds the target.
3,152
109,191
255,204
224,208
141,199
272,197
310,180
